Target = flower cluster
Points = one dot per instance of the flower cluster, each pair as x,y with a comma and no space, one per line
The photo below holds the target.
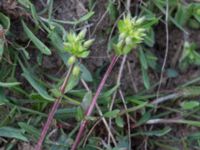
76,44
131,33
77,47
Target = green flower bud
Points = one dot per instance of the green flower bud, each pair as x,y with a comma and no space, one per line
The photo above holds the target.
141,30
76,71
140,20
66,45
76,44
122,36
131,32
88,43
133,20
71,60
128,41
82,34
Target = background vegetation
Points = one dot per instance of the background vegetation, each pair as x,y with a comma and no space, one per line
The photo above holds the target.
151,97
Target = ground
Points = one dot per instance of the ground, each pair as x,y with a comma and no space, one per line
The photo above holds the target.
27,109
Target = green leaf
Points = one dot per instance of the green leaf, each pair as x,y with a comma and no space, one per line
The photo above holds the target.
86,100
145,117
66,113
143,60
190,105
9,84
56,40
5,26
85,74
85,17
37,97
41,46
84,54
150,21
194,136
158,133
25,3
112,10
183,14
119,121
4,21
63,143
31,8
74,22
145,78
197,18
161,8
79,114
196,11
120,25
37,86
112,43
194,24
149,39
112,114
3,99
10,132
109,92
189,122
34,14
29,129
151,60
191,91
73,81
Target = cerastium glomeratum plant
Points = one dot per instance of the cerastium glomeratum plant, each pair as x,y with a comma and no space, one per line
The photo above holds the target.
131,33
78,48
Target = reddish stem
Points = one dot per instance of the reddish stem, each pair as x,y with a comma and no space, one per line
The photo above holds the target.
53,110
94,100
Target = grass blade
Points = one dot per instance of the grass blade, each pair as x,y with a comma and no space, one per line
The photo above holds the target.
9,84
9,132
41,46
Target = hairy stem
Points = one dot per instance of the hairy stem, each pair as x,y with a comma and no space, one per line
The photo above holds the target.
53,110
94,100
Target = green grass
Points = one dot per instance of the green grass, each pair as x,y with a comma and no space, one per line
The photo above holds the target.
121,119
